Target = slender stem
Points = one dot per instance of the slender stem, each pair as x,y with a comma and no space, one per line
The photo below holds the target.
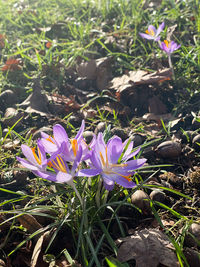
98,193
171,66
83,206
78,195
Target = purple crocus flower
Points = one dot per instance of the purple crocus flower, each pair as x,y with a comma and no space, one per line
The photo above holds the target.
104,160
34,161
169,46
152,33
59,171
60,143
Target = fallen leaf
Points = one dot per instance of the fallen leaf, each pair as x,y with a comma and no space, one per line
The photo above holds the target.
170,31
139,77
12,65
37,250
29,222
148,247
156,106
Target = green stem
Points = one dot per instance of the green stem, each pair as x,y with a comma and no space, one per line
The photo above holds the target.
171,66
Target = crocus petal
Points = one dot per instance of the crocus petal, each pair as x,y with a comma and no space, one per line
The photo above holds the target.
151,28
46,175
160,28
59,134
146,36
44,135
28,153
81,130
27,164
95,159
49,146
108,184
63,177
125,183
128,156
114,149
42,151
77,159
88,172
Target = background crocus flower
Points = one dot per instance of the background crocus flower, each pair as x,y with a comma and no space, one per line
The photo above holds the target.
152,33
104,161
34,160
169,46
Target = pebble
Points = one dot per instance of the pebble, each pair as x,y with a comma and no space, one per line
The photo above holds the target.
101,126
119,132
11,116
195,142
169,149
88,135
140,199
194,229
158,195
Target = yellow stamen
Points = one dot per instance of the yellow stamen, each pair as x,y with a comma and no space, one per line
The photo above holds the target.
74,146
38,159
50,139
60,165
151,32
102,159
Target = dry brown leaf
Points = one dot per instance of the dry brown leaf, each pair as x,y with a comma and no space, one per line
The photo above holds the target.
139,77
37,250
156,106
149,247
12,65
170,31
29,222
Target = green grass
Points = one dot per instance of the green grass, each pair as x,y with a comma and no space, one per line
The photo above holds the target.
80,29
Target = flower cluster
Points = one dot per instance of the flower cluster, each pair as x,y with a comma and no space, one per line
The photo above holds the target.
152,34
59,158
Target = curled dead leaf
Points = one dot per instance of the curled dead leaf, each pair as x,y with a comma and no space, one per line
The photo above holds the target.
139,77
149,248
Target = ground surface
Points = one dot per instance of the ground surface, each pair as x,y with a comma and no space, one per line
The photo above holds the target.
64,62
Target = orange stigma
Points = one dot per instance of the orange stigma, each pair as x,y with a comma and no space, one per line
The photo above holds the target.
74,146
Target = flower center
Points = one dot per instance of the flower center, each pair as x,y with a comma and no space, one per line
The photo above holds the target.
151,32
168,44
59,165
107,168
38,159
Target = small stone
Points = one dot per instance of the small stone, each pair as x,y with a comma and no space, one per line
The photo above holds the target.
196,142
141,200
37,134
137,139
192,256
76,120
88,135
195,231
11,116
119,132
158,195
8,98
169,149
101,126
